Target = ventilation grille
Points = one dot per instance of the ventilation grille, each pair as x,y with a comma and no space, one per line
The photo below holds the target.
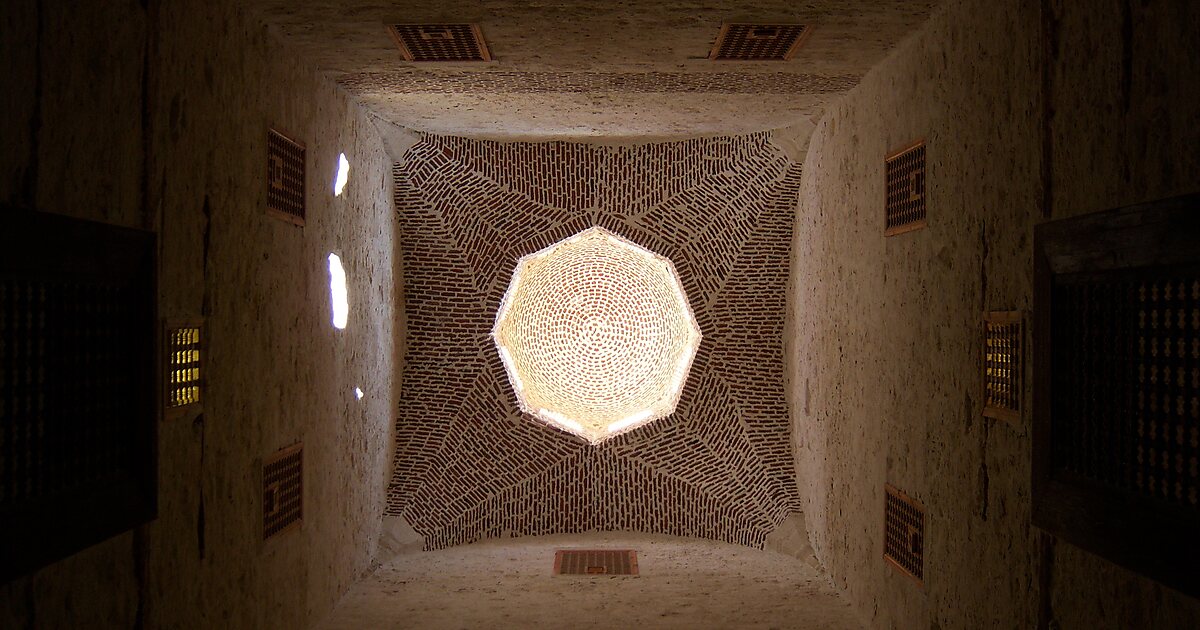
904,533
1126,407
758,42
283,491
1002,336
441,42
184,378
595,562
285,178
905,204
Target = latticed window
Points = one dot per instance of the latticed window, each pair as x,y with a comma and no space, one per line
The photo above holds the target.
286,176
1116,422
904,533
184,377
1002,360
904,208
283,491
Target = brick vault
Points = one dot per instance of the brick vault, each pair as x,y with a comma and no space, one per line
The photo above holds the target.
468,466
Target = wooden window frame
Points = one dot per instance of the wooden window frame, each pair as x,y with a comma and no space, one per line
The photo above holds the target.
1139,533
56,248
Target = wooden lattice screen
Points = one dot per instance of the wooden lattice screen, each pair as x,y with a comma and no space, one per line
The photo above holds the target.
1003,359
1117,386
904,207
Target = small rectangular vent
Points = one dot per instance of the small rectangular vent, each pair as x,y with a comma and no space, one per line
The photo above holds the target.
283,491
904,533
1003,362
183,380
441,42
758,42
285,178
905,203
595,562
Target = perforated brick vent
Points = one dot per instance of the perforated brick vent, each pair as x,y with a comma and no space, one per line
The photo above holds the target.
905,204
758,42
595,562
1127,383
283,491
285,178
1002,361
469,464
904,533
441,42
184,378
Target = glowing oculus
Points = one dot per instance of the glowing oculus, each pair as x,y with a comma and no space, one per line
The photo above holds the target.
596,335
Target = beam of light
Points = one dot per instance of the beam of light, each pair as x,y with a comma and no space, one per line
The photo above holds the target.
343,175
564,421
337,290
628,421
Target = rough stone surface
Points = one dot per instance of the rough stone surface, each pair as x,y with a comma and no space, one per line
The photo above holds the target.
158,119
791,538
582,70
396,139
397,537
884,359
682,583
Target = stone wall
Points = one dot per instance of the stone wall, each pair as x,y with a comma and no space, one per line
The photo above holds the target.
884,352
155,115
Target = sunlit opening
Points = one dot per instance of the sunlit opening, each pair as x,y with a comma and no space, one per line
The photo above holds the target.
628,421
337,290
358,393
343,175
596,335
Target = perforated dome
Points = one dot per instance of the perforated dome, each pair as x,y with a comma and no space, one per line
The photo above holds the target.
596,335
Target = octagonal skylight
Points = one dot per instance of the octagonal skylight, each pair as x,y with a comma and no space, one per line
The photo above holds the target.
596,335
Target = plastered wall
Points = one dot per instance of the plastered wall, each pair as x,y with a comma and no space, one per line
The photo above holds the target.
155,115
884,362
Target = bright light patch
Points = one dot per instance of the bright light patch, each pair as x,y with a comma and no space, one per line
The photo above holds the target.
358,394
629,421
337,291
596,335
508,365
343,175
563,421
